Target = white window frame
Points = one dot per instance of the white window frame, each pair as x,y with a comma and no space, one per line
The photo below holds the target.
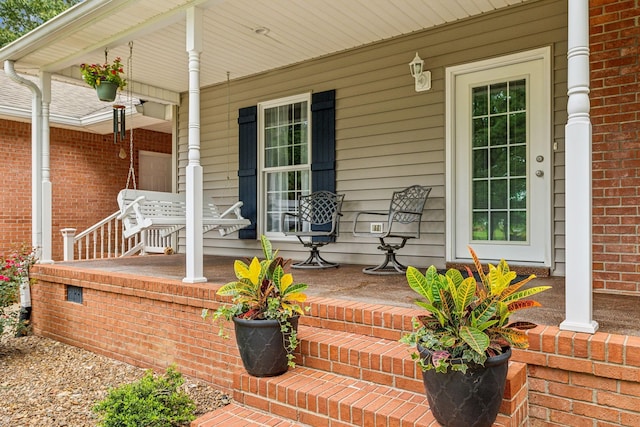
262,170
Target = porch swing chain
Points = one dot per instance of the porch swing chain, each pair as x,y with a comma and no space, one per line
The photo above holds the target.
132,173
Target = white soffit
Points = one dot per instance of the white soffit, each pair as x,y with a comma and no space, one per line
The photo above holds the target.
297,31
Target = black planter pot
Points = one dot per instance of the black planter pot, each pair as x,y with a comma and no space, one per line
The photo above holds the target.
262,346
471,399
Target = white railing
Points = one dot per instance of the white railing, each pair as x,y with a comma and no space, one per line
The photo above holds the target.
106,240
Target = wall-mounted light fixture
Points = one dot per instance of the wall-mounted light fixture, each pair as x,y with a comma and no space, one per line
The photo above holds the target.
423,78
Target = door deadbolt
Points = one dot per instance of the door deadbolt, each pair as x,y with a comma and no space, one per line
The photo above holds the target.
539,159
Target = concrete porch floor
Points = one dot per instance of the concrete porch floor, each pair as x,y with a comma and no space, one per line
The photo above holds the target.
617,314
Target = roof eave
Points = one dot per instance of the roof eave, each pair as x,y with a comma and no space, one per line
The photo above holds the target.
59,26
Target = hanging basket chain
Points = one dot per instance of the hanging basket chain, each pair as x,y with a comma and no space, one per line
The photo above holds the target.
132,172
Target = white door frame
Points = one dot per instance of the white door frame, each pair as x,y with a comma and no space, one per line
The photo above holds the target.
451,74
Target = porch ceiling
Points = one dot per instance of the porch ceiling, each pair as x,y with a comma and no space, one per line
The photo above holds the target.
243,37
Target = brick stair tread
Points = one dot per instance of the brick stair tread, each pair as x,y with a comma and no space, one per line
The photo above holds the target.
384,361
315,397
235,415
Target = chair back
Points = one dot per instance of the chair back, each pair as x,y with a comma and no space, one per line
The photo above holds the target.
319,208
407,205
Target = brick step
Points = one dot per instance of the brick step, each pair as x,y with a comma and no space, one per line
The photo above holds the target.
319,398
234,415
372,320
383,361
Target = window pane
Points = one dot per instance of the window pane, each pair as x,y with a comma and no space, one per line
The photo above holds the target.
270,159
283,191
286,147
270,117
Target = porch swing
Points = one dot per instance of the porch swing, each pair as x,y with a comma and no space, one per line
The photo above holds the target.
143,210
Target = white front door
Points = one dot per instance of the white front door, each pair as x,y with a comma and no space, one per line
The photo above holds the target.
500,159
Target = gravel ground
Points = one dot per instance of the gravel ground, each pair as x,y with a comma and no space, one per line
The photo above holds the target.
46,383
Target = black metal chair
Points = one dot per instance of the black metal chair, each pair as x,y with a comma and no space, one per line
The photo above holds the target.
402,222
315,224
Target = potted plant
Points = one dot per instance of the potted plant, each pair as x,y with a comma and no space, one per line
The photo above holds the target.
464,343
265,312
106,78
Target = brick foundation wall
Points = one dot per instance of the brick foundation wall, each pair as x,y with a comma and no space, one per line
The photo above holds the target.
615,115
576,378
86,175
573,378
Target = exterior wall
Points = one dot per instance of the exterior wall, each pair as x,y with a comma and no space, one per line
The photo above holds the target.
387,135
86,175
615,115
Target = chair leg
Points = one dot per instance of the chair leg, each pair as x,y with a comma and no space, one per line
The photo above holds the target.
314,261
390,265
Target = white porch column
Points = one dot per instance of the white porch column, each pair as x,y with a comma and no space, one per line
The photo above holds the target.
47,204
578,298
194,250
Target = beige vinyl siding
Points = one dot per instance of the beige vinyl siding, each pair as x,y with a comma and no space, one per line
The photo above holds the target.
387,135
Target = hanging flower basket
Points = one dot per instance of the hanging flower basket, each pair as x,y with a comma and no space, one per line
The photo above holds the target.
107,91
106,78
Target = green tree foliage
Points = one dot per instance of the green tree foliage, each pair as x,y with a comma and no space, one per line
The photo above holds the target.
18,17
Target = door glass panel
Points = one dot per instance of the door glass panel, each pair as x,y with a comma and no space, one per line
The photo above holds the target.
480,133
480,163
480,225
499,179
499,162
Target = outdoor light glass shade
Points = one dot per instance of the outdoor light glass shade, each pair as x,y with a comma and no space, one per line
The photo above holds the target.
423,78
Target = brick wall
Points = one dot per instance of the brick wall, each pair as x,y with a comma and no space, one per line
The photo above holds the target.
615,115
86,175
574,379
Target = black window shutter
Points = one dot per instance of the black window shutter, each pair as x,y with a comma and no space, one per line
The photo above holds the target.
248,168
323,147
323,154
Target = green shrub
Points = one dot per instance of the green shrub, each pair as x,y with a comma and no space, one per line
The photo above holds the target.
14,270
153,401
